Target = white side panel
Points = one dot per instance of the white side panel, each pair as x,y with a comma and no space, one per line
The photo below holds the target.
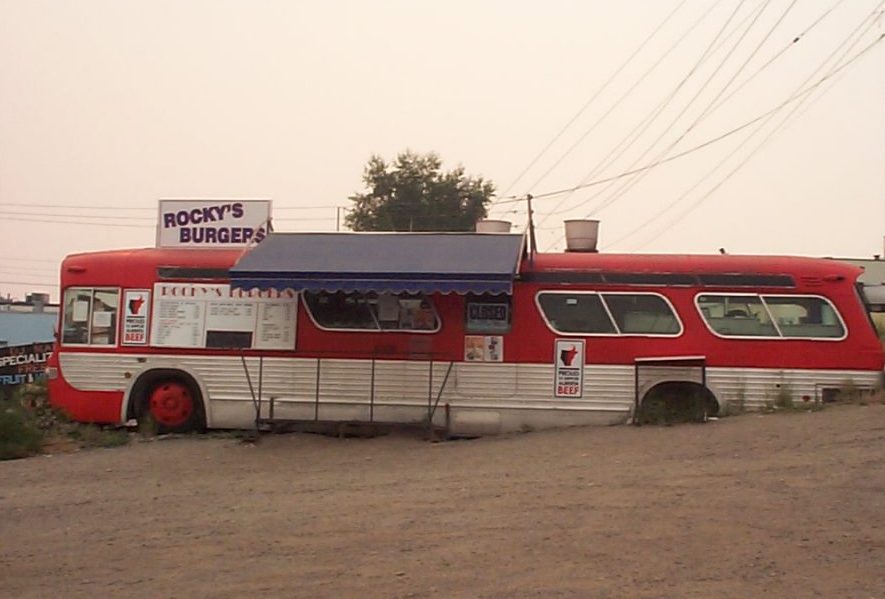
754,388
495,396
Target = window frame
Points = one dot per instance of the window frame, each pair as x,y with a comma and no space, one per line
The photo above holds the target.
761,296
91,290
374,316
602,294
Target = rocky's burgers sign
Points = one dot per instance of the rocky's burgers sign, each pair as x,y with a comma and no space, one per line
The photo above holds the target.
211,223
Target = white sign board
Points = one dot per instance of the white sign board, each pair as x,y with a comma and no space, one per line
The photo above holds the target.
208,315
211,223
569,378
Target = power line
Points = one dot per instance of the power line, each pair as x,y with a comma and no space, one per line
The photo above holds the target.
20,259
92,216
707,110
782,51
36,269
628,184
308,207
595,95
70,222
642,126
651,117
762,143
74,206
28,283
709,142
152,208
587,184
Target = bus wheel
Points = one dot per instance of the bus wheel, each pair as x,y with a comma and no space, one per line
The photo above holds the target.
174,406
673,402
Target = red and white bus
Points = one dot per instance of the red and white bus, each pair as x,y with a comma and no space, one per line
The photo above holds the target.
464,331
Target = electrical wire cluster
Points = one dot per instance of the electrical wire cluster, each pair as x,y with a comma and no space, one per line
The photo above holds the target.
724,68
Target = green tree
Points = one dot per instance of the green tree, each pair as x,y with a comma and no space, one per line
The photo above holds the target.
413,194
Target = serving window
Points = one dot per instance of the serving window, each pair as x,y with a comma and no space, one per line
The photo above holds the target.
372,311
90,316
591,313
778,316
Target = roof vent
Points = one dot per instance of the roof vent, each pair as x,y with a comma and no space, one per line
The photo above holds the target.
493,226
581,235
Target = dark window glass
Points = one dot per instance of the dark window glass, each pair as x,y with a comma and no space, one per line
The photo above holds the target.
576,313
371,311
222,339
642,314
746,280
562,276
737,315
185,273
804,317
629,278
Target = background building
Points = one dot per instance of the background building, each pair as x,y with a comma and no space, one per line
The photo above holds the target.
29,321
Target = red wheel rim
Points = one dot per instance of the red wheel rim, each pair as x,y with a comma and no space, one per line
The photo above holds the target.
171,404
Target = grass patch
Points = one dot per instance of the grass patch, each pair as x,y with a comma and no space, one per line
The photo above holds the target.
781,402
783,397
19,435
30,425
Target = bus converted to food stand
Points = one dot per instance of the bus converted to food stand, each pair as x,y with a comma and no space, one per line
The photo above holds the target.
468,332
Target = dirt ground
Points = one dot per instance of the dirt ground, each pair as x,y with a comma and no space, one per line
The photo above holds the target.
788,505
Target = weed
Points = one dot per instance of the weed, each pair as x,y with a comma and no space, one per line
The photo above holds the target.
19,434
28,423
147,426
90,435
849,392
783,397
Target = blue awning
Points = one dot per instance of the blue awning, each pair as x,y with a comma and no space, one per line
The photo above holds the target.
382,262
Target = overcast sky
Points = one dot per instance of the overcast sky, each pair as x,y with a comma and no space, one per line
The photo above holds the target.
106,106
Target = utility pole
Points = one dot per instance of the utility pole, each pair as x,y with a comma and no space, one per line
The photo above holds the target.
532,241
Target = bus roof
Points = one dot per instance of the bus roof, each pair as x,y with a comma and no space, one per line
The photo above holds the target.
690,264
217,258
540,263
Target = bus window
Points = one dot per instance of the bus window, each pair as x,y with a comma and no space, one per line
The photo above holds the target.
340,310
371,311
576,313
737,315
806,317
642,314
76,317
104,317
90,316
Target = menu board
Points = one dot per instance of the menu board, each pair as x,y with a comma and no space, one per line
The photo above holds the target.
273,330
197,316
233,315
178,323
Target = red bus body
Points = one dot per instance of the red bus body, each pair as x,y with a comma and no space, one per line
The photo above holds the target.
396,376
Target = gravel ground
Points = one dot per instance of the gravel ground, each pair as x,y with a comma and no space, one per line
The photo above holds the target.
787,505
